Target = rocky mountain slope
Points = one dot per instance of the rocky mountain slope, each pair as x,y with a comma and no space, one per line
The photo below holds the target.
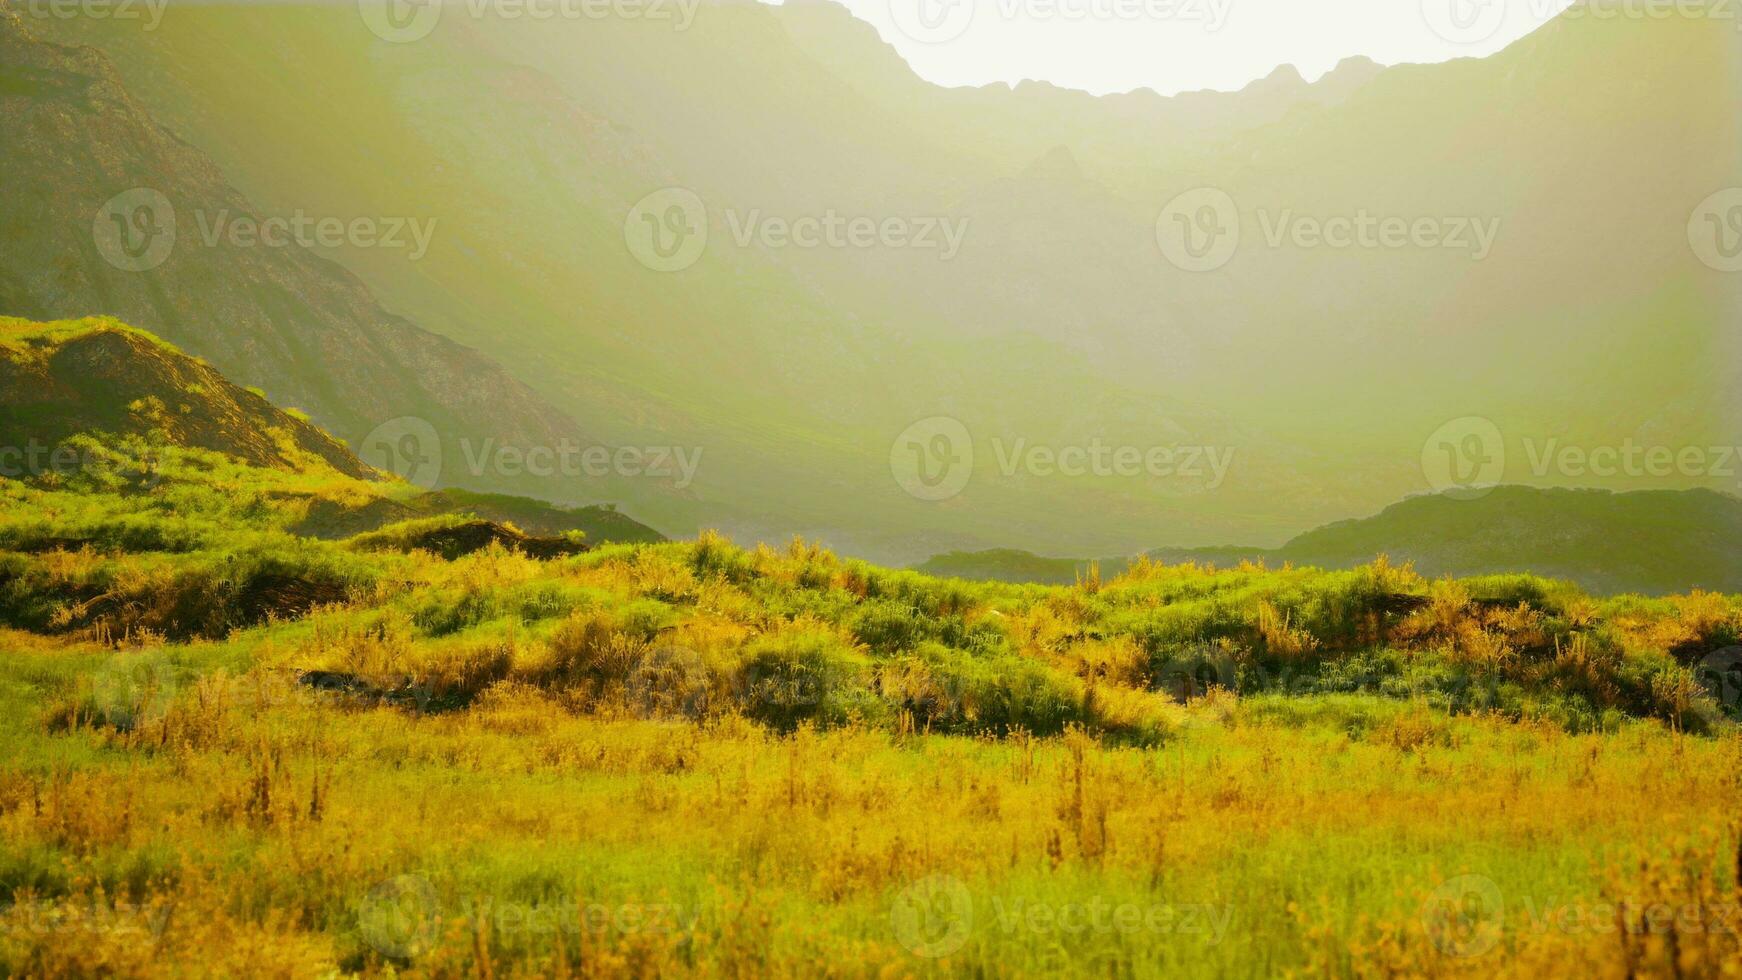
66,384
98,375
107,212
1580,312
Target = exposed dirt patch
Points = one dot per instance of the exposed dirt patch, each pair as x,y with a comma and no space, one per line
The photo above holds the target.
473,536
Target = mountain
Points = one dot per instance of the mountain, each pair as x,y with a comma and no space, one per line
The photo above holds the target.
66,383
1655,542
82,154
70,378
1558,297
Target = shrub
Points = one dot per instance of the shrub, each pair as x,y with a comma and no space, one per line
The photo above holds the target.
805,675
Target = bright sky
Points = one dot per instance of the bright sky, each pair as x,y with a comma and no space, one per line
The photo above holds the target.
1107,46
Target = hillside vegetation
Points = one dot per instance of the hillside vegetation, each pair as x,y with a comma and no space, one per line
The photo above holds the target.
82,144
1657,542
187,544
446,745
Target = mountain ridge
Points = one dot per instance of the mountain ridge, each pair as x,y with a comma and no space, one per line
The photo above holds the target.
797,368
277,318
1651,541
72,378
79,398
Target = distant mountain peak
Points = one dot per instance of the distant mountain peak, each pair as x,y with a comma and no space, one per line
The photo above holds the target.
74,377
1285,76
1058,163
1349,75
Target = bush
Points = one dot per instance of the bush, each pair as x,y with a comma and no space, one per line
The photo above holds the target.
809,675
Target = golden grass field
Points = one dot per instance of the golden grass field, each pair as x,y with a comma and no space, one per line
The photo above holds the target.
191,808
231,749
256,828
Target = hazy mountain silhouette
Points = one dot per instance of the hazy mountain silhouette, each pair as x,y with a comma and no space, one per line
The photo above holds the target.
1587,318
1656,542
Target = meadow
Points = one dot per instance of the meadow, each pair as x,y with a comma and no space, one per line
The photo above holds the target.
233,748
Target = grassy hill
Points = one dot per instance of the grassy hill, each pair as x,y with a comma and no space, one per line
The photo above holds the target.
196,509
444,747
1654,542
100,177
96,403
75,377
